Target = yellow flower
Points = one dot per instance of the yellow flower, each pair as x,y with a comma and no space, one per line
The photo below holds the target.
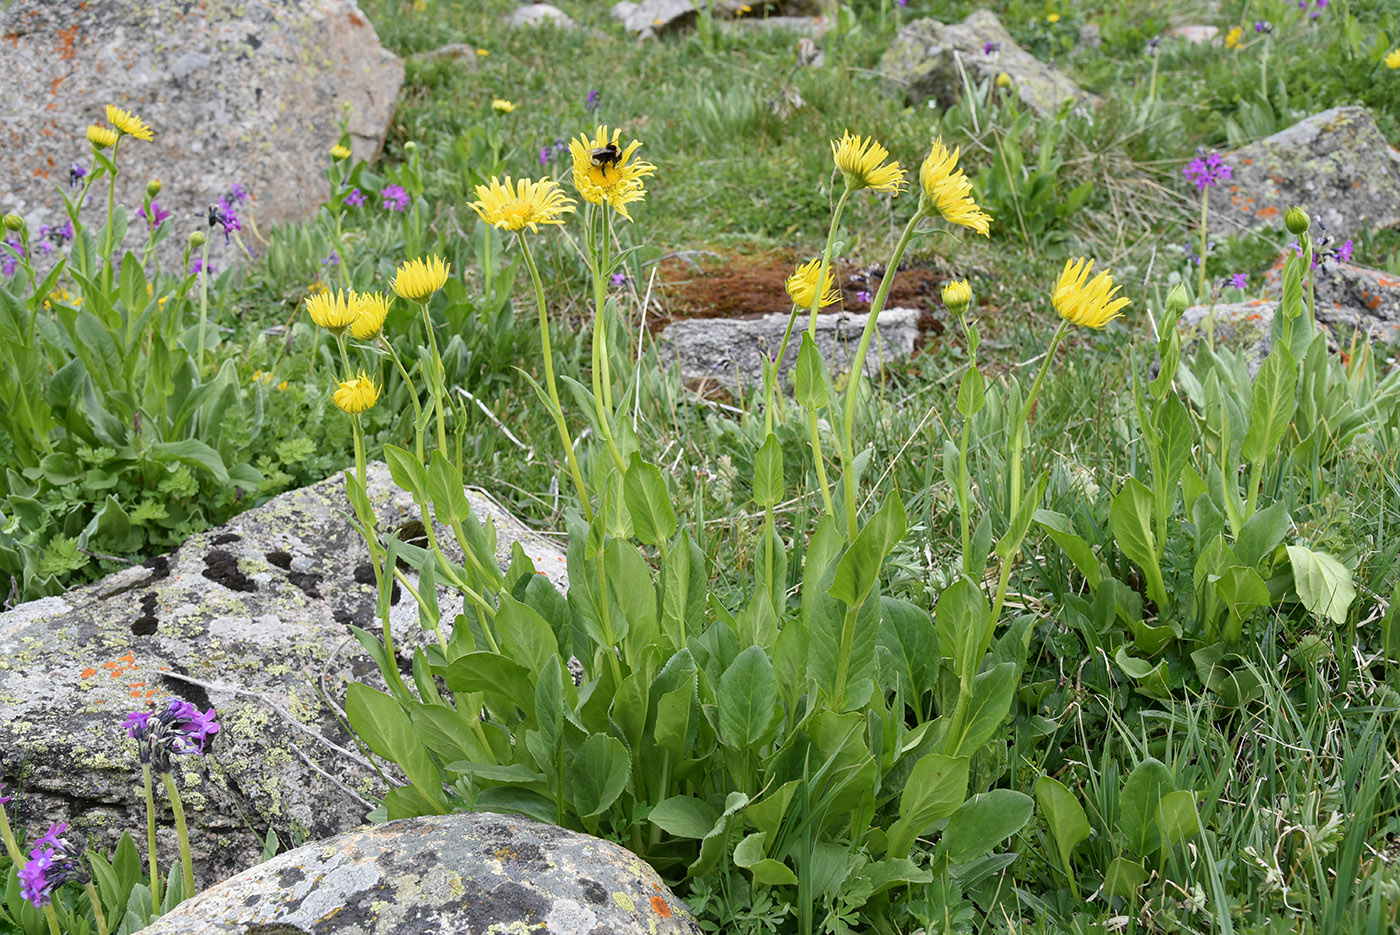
334,311
1087,303
127,122
282,386
417,279
502,106
483,52
1053,18
1003,80
356,394
101,137
802,285
339,152
371,308
949,191
1393,59
957,295
862,163
1233,38
317,287
515,206
604,172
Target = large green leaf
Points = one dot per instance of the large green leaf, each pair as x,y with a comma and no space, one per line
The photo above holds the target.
644,491
748,699
1270,406
1064,815
768,473
935,788
983,822
684,816
1140,803
1322,582
1130,517
598,774
859,569
386,728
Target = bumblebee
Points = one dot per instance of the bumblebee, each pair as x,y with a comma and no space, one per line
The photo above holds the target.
603,156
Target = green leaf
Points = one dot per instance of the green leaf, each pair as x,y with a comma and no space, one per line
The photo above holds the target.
407,472
1130,517
1068,824
712,846
749,855
748,699
1142,795
1010,542
191,452
1322,582
1262,533
809,378
859,569
684,816
644,490
525,636
983,822
768,473
972,395
1177,817
386,728
598,774
490,672
1123,878
1060,529
1271,406
935,788
909,634
1242,590
450,504
992,692
964,626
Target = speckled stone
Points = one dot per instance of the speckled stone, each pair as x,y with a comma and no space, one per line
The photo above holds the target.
464,874
246,91
1240,326
651,18
1335,164
1350,299
923,63
258,611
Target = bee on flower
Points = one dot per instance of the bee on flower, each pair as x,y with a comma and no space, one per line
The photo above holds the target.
606,172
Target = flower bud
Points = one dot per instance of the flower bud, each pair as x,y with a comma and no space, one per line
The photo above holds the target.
197,239
14,222
339,152
957,295
1297,221
153,188
1177,300
410,147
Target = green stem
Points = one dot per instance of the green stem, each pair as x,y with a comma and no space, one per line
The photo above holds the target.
97,912
822,486
111,203
1201,282
203,299
436,384
182,832
151,834
52,918
826,261
601,374
558,410
11,848
412,395
843,657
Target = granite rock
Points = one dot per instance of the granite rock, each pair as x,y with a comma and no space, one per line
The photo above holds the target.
539,14
928,59
1350,299
236,92
1239,326
651,18
1335,164
468,874
251,618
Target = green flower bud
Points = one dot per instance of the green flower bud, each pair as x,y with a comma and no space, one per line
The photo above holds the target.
1177,300
1297,221
153,188
957,295
410,147
14,222
197,239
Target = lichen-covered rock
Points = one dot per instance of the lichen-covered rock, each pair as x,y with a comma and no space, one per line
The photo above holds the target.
1335,164
236,92
651,18
253,619
1349,300
928,59
539,14
730,351
1239,326
467,874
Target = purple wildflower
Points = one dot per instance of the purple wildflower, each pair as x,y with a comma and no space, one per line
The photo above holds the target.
1344,251
1263,25
157,216
4,799
237,192
197,266
395,198
902,2
9,256
1239,281
863,296
618,279
989,47
52,863
332,260
223,215
42,243
1208,171
76,173
63,234
544,155
559,145
591,104
355,198
179,729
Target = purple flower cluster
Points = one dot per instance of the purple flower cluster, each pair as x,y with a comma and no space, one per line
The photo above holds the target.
10,252
863,296
1263,26
179,729
1206,171
52,863
197,266
1318,7
1236,281
158,215
591,104
355,198
989,47
395,198
76,174
549,152
332,260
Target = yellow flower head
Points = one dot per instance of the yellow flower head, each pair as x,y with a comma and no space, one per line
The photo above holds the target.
483,52
417,279
515,206
502,106
371,308
957,295
1393,59
339,152
1053,18
802,285
127,122
1003,80
334,311
862,162
1233,38
101,137
949,191
604,172
356,394
1083,301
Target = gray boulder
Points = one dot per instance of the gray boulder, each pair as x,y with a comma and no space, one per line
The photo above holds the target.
467,874
1350,300
253,619
1335,164
1238,326
928,60
248,93
539,14
651,18
730,351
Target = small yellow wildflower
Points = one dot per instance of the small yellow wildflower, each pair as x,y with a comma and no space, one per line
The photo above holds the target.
862,163
282,387
802,285
483,52
1003,80
127,122
101,137
604,171
1085,302
339,152
333,311
516,206
371,308
1053,18
356,394
1234,38
1393,59
957,295
501,106
418,279
949,191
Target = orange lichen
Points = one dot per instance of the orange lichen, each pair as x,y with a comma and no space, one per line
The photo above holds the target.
65,42
88,673
1267,212
659,904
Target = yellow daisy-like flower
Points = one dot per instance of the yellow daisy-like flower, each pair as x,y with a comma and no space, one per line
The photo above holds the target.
1053,18
949,191
356,394
101,137
334,311
1087,302
1393,59
802,285
957,295
862,162
1003,80
339,152
1234,38
129,123
502,106
417,279
371,308
604,172
517,205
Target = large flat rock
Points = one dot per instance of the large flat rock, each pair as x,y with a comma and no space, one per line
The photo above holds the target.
1350,300
253,619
